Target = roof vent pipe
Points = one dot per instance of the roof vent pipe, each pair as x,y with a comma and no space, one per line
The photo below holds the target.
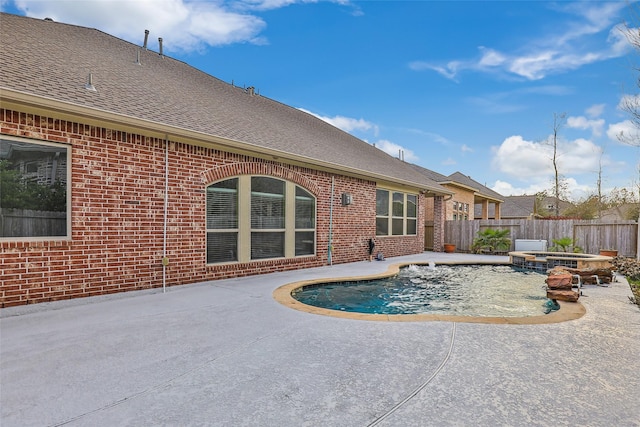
138,58
251,90
146,37
160,43
89,85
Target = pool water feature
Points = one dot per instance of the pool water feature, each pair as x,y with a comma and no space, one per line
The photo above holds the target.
463,290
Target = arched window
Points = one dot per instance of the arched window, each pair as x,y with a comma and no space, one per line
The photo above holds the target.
259,217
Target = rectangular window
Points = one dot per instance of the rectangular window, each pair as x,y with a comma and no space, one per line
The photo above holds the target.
267,203
222,247
403,208
305,223
267,244
34,189
267,217
412,214
397,222
382,213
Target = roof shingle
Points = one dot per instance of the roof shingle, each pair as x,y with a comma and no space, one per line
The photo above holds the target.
53,61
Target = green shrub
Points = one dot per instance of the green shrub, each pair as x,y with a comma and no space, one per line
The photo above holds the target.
491,240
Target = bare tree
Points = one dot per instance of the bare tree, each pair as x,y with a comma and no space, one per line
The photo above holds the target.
631,104
559,185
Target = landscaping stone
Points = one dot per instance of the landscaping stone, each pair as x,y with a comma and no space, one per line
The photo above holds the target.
559,281
563,295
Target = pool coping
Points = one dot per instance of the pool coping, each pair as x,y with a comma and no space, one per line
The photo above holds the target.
568,310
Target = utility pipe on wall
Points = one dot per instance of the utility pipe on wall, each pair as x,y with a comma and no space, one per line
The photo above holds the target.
165,259
330,248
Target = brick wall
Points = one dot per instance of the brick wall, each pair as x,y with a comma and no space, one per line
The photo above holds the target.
117,216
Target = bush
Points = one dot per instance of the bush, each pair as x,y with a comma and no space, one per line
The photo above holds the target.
564,244
491,240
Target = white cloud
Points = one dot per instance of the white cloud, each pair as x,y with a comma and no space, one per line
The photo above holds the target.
595,110
508,189
491,58
575,191
347,124
525,160
396,150
466,149
580,122
448,162
625,132
182,25
550,53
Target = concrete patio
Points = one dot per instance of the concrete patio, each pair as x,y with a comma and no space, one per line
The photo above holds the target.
225,353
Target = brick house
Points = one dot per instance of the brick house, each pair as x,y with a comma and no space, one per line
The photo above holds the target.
469,199
172,176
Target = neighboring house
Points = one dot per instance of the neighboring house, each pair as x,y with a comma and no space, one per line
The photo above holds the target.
172,176
527,207
628,211
470,199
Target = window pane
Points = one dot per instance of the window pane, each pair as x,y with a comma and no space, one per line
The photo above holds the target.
382,227
305,242
305,209
398,204
267,245
222,247
222,205
411,226
267,203
396,227
382,203
412,211
33,189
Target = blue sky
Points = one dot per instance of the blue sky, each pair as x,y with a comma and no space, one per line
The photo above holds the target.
469,86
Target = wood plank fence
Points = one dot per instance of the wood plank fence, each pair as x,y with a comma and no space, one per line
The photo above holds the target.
591,236
29,223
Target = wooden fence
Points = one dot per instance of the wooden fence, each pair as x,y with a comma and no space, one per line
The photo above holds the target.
28,223
591,236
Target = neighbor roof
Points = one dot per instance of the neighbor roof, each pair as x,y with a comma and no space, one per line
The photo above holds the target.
460,180
481,190
48,63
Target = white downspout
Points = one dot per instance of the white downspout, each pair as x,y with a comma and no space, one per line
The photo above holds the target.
165,259
330,248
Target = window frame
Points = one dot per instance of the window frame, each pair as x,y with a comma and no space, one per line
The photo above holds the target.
389,217
246,231
68,176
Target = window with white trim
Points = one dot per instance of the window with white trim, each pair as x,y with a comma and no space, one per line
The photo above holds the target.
396,213
35,182
259,217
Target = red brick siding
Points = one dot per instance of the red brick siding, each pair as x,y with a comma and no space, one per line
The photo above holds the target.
117,215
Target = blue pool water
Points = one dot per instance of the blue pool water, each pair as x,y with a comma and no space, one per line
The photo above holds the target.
480,290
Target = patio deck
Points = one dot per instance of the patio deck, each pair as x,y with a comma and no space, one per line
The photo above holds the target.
225,353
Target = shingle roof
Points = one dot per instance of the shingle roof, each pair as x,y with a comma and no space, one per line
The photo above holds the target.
470,182
521,206
459,178
53,60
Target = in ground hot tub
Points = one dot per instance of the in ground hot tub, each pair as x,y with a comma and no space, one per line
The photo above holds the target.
543,260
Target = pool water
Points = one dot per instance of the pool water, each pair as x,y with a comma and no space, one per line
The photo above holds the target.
480,290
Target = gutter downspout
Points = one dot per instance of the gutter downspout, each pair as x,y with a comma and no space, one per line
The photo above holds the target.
165,259
330,248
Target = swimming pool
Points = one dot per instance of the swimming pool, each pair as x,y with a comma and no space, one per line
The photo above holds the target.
461,290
